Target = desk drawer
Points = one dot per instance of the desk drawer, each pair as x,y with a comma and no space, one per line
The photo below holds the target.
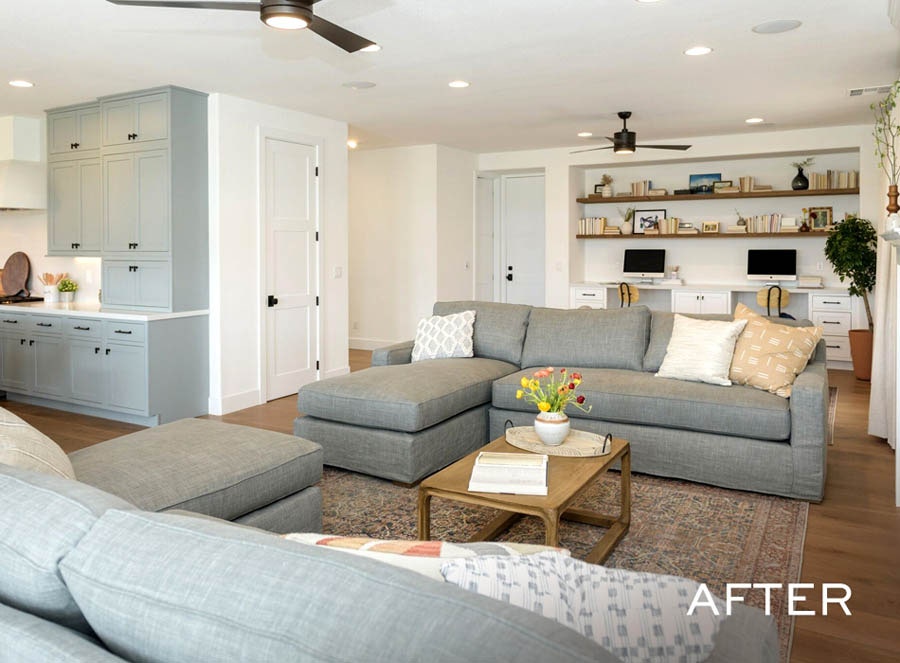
837,348
830,303
12,321
834,324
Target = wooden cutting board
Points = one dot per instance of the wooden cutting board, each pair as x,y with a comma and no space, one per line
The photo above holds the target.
15,274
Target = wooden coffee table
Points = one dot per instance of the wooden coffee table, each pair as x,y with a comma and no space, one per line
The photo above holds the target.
568,477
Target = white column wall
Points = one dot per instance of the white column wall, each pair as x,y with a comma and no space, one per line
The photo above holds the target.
236,306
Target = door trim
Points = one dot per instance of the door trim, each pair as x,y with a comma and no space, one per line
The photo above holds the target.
318,143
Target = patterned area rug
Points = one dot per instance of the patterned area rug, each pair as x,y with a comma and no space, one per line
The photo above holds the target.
708,534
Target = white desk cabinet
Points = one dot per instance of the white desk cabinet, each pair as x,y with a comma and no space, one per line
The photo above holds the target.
833,314
701,301
591,296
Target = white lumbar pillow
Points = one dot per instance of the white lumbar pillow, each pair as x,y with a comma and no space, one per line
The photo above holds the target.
445,336
701,350
23,446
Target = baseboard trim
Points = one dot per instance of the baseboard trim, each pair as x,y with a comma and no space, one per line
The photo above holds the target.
334,372
235,402
76,408
369,343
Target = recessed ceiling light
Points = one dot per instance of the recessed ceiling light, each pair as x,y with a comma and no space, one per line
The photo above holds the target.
647,2
585,134
698,50
371,48
774,27
458,84
359,85
21,83
754,120
352,144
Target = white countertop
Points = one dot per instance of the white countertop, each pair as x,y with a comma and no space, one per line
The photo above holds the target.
713,287
95,311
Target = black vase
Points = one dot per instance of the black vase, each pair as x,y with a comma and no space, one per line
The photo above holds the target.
800,183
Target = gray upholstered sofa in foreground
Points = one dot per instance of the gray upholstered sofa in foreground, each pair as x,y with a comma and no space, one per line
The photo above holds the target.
403,421
87,577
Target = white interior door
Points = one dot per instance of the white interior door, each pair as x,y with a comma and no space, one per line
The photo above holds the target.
291,220
522,220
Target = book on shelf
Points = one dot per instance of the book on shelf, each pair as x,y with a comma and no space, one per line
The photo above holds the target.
641,188
615,230
790,229
518,474
651,231
736,230
762,187
688,231
727,189
658,192
833,179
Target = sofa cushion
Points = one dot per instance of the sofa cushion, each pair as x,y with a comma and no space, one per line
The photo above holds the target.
159,587
219,469
640,398
499,328
701,350
615,338
770,356
444,336
25,637
22,445
42,517
407,397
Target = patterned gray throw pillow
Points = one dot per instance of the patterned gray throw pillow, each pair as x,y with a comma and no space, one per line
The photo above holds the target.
636,616
445,336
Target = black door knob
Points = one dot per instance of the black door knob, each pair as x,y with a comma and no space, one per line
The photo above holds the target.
509,277
272,301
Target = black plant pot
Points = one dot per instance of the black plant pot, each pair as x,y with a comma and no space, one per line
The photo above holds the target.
800,183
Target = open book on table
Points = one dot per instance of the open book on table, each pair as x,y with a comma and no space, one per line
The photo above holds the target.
518,474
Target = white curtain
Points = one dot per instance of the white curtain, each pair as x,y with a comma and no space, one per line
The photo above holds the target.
883,397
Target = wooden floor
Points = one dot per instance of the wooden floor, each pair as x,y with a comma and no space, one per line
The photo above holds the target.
853,535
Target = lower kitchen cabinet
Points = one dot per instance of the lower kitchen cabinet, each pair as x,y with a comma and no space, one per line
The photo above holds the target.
145,372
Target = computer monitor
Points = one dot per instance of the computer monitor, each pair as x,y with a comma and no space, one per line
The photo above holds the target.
645,263
772,264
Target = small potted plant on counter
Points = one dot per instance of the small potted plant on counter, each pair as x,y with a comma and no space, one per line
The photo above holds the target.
67,288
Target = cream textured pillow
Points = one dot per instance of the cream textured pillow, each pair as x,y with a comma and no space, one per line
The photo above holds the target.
770,356
700,350
444,336
23,446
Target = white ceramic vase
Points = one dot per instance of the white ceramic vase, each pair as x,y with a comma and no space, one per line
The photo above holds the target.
627,228
51,294
551,427
607,191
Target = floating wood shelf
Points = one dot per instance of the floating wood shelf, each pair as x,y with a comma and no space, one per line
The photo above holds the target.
797,235
718,196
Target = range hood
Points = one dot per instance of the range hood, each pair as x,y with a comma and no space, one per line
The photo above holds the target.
23,174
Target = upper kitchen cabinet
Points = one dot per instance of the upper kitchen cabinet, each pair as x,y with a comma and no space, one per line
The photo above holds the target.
133,119
73,130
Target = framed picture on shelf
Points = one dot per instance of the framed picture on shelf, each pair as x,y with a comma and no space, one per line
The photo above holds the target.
648,218
704,183
598,189
721,184
710,227
820,217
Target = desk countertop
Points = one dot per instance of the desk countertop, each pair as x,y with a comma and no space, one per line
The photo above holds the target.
94,311
712,287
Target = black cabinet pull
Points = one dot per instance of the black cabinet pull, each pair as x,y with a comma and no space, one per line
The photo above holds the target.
830,322
588,294
30,342
120,331
107,350
77,245
44,324
96,351
22,342
834,347
272,301
83,329
835,303
76,145
132,268
11,322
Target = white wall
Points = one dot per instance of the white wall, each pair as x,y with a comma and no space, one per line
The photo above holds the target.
411,238
236,304
566,180
26,230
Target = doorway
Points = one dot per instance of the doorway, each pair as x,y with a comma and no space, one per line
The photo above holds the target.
291,258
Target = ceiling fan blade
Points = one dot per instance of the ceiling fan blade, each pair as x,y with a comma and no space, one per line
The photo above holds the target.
665,147
592,149
240,6
339,36
600,138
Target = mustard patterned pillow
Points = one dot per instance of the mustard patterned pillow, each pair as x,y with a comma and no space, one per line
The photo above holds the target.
770,356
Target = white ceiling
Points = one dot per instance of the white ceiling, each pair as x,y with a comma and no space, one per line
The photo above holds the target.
540,70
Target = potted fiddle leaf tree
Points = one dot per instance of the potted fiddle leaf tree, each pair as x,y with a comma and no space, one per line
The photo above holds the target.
851,251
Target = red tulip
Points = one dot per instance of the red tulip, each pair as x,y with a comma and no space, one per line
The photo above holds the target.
580,400
572,385
576,376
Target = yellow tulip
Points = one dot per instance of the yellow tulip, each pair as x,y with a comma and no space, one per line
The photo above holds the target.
543,406
519,394
524,382
534,384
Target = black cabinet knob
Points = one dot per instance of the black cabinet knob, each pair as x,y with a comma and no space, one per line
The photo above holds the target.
96,351
272,301
30,342
76,145
107,350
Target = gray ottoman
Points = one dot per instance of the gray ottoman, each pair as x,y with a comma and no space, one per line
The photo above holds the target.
246,475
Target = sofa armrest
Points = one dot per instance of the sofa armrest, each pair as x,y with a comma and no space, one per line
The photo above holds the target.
398,353
809,423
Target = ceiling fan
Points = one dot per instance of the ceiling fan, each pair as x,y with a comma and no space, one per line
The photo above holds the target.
623,142
281,14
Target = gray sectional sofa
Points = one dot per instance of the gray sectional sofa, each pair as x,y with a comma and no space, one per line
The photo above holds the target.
87,577
404,421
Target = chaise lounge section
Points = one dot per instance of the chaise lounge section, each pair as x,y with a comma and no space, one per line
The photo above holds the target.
403,421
